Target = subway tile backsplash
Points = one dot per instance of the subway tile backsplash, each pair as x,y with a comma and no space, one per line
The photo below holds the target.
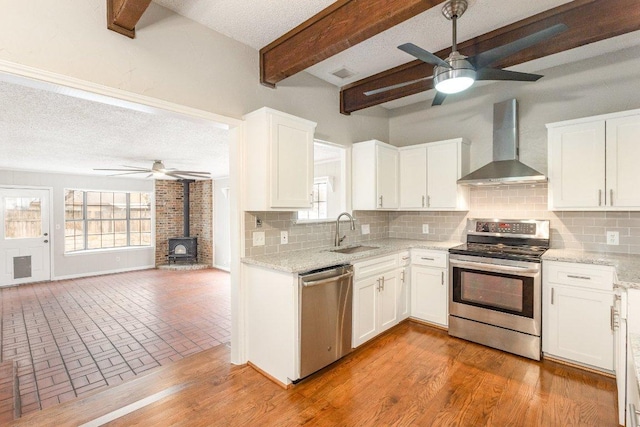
570,230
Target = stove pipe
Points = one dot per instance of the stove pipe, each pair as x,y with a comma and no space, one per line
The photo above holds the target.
185,206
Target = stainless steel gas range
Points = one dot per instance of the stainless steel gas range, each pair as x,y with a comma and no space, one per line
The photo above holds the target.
495,283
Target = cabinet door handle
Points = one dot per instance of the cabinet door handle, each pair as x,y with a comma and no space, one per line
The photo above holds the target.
311,198
378,287
404,258
380,201
428,201
383,283
572,276
599,197
552,292
612,316
427,258
442,279
402,276
611,197
423,201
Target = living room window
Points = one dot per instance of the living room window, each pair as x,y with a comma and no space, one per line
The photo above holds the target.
101,220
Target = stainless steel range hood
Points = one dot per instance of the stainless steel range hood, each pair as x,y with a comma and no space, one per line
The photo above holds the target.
505,167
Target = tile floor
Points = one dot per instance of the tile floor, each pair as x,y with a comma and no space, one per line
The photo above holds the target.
72,337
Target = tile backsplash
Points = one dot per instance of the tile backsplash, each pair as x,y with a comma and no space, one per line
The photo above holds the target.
570,230
310,235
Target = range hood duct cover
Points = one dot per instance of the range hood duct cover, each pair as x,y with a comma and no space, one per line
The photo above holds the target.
505,167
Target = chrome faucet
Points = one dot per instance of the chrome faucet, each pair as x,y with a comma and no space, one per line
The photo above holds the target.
339,239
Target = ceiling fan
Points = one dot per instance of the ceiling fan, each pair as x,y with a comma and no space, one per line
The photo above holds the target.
159,171
458,72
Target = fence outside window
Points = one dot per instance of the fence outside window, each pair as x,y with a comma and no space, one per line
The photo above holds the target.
99,219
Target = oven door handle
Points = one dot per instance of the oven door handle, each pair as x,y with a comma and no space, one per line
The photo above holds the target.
493,267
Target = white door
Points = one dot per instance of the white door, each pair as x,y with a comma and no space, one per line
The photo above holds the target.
429,295
365,310
442,175
291,163
389,300
623,152
24,236
413,177
387,177
576,166
579,326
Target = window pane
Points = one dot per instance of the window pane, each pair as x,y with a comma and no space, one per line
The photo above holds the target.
120,239
146,239
106,219
135,239
22,218
120,205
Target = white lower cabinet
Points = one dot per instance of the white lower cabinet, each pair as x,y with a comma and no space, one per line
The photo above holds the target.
376,291
577,319
404,295
429,287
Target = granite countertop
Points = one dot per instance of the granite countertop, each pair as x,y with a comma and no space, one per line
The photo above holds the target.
627,266
311,259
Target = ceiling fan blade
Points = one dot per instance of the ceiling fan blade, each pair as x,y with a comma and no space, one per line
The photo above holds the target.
396,86
196,172
439,99
126,173
498,74
122,170
182,175
135,167
484,59
423,55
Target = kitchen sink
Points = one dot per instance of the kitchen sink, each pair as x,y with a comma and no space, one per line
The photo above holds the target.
354,249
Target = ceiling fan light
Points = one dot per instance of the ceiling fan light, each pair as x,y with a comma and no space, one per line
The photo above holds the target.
454,81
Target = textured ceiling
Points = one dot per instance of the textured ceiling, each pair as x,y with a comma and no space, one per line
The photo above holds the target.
254,23
47,131
257,23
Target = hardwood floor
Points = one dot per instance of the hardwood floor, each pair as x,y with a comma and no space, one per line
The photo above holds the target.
412,376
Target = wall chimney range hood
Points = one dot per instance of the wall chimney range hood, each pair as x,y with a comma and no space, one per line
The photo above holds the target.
505,167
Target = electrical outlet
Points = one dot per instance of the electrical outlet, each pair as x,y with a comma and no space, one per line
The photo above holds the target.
613,238
425,228
365,229
258,238
258,223
284,237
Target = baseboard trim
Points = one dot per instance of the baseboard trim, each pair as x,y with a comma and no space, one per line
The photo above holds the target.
102,273
219,267
270,377
425,323
576,365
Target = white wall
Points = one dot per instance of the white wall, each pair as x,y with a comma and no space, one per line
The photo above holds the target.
85,263
221,224
172,58
600,85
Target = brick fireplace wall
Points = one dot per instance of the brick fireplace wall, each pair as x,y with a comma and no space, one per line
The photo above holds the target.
170,215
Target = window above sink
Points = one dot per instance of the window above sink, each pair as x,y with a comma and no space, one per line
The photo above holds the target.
330,183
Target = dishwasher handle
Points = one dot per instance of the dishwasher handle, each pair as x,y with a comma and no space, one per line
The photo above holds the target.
327,280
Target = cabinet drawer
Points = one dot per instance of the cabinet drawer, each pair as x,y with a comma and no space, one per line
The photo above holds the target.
429,258
375,266
580,275
404,258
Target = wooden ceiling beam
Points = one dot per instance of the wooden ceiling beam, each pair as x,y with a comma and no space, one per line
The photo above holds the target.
123,15
338,27
589,21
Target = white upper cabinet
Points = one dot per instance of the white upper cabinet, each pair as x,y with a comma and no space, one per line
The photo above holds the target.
623,154
429,175
278,161
592,163
375,176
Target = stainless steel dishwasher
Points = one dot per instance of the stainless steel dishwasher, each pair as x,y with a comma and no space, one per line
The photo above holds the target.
326,298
